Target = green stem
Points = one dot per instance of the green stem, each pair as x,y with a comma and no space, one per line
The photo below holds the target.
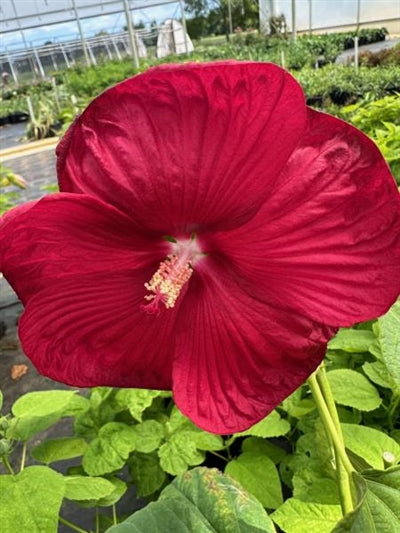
219,455
71,525
23,457
97,521
7,465
114,512
392,409
345,488
328,423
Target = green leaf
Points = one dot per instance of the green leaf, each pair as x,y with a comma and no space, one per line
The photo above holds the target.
353,389
378,508
110,450
77,405
258,475
296,516
258,445
389,338
180,452
297,406
370,444
352,340
271,426
147,474
43,403
310,486
208,441
36,411
149,435
30,501
202,501
87,488
378,373
1,400
136,400
60,449
119,490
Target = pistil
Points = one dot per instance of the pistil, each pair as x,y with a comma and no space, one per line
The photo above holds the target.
173,273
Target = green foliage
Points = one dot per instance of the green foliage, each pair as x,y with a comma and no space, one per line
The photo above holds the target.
296,516
10,183
353,389
389,342
378,508
201,500
375,447
257,474
381,121
31,500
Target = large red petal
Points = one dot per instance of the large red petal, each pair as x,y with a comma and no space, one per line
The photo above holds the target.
90,330
237,358
67,235
326,243
186,146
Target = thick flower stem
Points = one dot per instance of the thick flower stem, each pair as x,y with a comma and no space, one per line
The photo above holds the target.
332,427
343,477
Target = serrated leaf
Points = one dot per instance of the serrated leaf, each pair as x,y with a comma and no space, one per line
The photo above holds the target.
180,452
378,508
348,416
109,451
297,406
118,490
296,516
136,400
352,340
79,488
147,474
258,475
149,435
258,445
208,441
30,501
78,404
378,373
271,426
310,486
389,339
60,449
353,389
178,421
36,411
42,403
202,501
370,444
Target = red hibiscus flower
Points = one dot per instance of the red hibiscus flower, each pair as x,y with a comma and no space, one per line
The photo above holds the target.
212,234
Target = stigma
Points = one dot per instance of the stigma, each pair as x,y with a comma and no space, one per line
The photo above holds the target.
171,276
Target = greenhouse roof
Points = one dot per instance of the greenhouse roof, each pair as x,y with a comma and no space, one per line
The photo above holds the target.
19,15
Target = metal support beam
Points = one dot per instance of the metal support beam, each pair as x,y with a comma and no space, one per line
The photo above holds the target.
184,26
294,32
131,33
83,41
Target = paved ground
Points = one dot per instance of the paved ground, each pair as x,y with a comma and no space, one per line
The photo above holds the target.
348,55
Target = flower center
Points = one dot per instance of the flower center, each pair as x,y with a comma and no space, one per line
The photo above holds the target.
167,282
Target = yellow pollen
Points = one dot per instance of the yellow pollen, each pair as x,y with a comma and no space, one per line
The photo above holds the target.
167,282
